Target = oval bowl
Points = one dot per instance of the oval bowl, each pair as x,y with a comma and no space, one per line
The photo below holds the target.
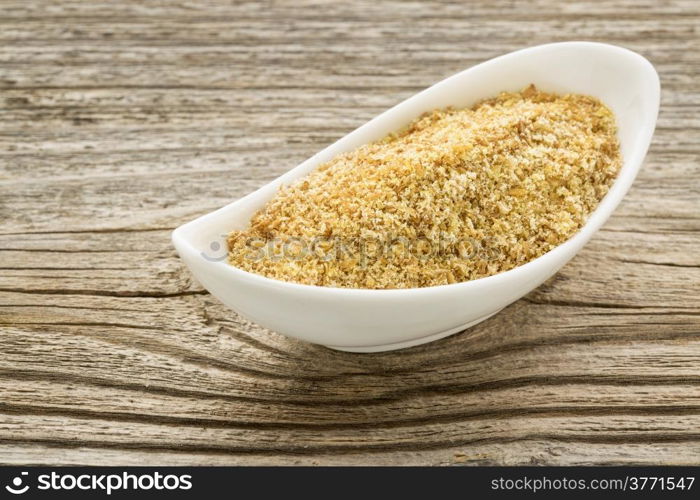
362,320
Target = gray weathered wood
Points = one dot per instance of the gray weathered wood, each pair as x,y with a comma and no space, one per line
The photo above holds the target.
122,120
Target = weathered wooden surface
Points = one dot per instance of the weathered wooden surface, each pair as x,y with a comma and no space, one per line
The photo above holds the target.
121,120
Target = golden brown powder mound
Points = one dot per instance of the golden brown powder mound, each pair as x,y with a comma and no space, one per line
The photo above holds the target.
457,195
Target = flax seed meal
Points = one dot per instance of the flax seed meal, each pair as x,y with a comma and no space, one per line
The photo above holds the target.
459,194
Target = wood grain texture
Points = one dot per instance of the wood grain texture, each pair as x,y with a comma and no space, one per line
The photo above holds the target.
121,120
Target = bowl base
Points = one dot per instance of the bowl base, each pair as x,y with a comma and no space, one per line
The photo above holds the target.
411,343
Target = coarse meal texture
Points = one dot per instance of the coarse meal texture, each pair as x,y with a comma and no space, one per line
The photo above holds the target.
460,194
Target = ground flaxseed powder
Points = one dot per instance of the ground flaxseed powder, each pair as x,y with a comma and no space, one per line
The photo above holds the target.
458,195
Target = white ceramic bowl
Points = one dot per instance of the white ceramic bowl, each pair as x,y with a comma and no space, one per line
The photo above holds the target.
378,320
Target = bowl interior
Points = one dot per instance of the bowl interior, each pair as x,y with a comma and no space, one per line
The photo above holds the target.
623,80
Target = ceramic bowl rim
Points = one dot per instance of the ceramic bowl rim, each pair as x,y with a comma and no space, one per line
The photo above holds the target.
596,219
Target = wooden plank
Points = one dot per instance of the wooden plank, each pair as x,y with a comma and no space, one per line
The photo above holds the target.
122,121
524,452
